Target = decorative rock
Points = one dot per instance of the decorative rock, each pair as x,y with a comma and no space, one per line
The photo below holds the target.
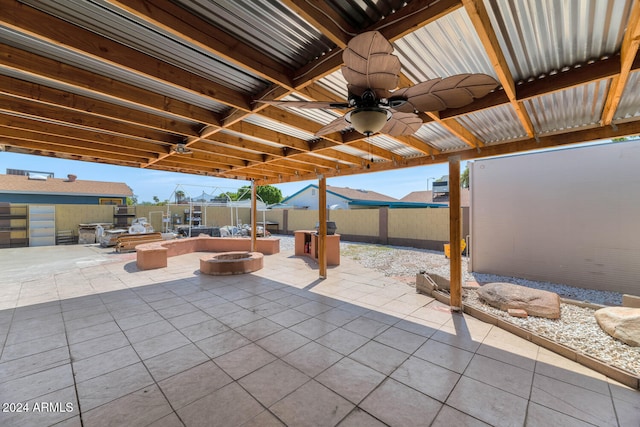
517,312
622,323
535,302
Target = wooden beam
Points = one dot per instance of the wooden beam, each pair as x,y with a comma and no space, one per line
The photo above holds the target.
38,111
57,145
458,130
324,18
87,82
86,137
254,216
481,22
455,234
628,53
49,29
80,104
560,139
186,26
322,229
565,79
412,16
238,140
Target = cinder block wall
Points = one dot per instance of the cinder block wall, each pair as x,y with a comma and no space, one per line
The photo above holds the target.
68,217
302,219
424,228
356,224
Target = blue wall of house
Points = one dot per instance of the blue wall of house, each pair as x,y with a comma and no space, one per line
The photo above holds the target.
53,199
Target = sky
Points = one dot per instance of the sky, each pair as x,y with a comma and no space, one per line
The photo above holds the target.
148,183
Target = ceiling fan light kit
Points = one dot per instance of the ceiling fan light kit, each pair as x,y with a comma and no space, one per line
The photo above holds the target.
368,120
372,73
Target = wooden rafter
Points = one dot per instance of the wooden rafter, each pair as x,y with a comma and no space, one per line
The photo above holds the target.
80,104
77,79
184,25
322,17
59,109
591,134
628,54
480,19
48,29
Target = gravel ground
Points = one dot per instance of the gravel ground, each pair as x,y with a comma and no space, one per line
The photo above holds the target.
576,328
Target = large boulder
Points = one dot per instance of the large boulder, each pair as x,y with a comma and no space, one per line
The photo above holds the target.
534,301
622,323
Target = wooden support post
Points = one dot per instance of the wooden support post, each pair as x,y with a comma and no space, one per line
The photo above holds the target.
455,233
322,229
254,216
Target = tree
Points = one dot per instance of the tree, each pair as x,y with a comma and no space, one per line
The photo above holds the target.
179,196
133,200
267,193
464,178
156,200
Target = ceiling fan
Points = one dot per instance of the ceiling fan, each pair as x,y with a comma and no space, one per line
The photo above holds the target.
372,72
181,149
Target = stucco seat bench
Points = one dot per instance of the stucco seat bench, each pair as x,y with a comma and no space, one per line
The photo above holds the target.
155,255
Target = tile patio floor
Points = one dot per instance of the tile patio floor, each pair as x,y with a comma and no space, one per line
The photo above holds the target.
170,347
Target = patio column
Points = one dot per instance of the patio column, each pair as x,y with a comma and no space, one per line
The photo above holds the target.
322,229
254,215
455,233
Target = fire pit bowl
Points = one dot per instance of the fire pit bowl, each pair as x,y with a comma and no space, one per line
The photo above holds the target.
227,263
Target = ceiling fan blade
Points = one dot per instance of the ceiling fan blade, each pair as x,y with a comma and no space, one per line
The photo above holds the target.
369,63
309,104
419,97
402,124
336,125
451,92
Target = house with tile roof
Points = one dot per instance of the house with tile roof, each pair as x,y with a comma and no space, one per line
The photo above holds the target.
348,198
43,188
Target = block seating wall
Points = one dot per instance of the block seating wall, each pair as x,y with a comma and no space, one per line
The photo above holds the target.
155,255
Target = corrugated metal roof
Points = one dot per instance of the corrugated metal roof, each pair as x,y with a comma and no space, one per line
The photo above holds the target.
114,23
572,108
543,35
267,123
57,53
499,124
361,14
437,136
355,152
267,25
316,114
250,138
445,47
336,83
393,145
91,94
630,101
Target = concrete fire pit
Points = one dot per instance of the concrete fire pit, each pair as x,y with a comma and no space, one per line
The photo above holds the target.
226,263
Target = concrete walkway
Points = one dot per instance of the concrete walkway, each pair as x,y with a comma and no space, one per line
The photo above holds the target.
101,343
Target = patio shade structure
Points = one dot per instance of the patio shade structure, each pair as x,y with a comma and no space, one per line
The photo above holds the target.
173,85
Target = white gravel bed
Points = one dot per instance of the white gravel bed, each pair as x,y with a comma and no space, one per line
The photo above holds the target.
576,328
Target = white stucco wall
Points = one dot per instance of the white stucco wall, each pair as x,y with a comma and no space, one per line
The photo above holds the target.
309,198
568,216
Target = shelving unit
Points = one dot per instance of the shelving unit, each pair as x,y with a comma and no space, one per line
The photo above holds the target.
123,215
42,225
13,226
193,216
